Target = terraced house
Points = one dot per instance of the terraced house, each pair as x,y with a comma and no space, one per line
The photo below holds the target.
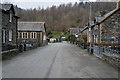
9,27
32,34
108,29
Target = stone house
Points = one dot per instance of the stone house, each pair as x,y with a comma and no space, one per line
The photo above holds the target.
106,33
31,33
74,31
86,30
107,30
9,27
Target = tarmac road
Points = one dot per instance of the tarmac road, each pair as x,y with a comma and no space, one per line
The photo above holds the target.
57,60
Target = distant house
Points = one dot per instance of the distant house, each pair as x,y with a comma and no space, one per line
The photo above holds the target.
82,37
74,30
9,27
82,33
31,33
107,29
74,35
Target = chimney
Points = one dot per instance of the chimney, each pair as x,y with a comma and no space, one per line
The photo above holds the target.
118,4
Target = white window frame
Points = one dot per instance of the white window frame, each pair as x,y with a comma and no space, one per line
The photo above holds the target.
33,35
3,35
10,19
24,35
10,35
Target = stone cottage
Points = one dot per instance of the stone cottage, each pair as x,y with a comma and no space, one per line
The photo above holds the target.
107,30
32,34
9,27
74,31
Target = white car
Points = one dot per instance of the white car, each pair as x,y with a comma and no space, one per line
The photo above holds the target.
52,39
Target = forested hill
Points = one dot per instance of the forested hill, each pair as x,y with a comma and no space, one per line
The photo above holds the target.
64,16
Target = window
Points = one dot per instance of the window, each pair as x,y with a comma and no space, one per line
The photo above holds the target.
33,35
41,36
10,35
18,35
10,19
24,35
3,36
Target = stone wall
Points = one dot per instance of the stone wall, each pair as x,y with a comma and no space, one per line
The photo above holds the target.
111,27
107,54
35,41
0,30
9,26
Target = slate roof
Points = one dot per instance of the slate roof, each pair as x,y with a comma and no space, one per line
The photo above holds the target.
31,26
103,18
86,27
75,30
6,6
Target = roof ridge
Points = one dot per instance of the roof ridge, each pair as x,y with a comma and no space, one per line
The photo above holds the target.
30,22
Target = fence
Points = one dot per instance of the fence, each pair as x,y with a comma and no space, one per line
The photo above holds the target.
107,54
112,52
112,56
98,51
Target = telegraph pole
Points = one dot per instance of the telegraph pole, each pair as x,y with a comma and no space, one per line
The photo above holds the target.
90,29
90,25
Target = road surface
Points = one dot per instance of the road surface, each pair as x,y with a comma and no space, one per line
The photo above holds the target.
57,60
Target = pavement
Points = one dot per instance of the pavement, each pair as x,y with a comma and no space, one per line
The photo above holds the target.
57,60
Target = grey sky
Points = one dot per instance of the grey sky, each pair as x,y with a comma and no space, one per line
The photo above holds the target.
27,4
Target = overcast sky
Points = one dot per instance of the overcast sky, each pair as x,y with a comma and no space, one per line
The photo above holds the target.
27,4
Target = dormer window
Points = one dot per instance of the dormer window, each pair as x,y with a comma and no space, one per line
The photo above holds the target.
10,20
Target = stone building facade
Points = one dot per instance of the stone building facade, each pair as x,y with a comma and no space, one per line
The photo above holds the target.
111,27
107,30
32,34
9,27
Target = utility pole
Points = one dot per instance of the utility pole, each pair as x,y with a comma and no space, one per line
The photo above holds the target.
90,25
90,29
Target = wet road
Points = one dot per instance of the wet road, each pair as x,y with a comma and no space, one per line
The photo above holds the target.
57,60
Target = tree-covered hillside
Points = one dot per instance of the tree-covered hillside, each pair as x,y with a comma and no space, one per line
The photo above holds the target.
64,16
